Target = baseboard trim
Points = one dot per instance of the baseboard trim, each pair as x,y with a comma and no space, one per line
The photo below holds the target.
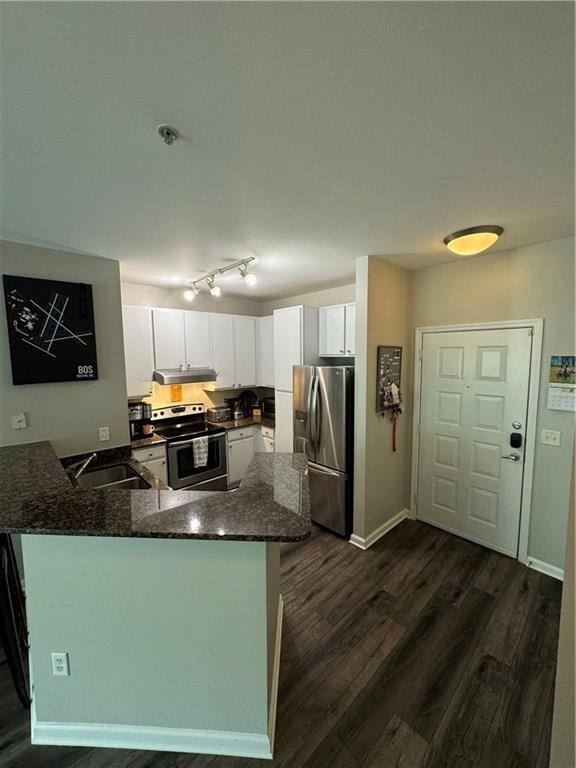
372,538
151,738
549,570
275,676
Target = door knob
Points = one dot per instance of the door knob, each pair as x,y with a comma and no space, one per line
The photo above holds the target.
513,457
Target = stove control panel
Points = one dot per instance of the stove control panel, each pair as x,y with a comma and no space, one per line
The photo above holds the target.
173,411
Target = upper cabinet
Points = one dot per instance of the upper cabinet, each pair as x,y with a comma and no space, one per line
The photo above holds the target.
245,351
179,339
295,342
337,330
223,353
197,334
169,338
138,349
265,351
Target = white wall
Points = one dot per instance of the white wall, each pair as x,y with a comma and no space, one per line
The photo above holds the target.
152,296
159,632
68,413
531,282
381,477
344,294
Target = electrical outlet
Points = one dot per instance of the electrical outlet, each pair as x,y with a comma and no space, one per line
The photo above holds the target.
103,434
60,666
18,421
550,437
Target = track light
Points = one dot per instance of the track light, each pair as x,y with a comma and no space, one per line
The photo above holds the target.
248,277
191,293
215,290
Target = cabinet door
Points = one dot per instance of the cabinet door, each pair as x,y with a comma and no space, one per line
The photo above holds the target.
169,338
284,431
268,445
265,351
197,326
158,469
351,329
138,349
222,342
332,331
245,349
240,453
287,345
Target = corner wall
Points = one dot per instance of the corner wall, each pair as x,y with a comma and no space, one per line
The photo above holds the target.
524,283
381,477
343,294
68,413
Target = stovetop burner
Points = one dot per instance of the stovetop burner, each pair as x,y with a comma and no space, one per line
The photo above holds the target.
179,422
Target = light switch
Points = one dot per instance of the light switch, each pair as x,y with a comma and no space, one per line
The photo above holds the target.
550,437
18,421
103,434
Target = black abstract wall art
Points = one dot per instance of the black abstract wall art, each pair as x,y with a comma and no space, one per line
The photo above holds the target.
50,330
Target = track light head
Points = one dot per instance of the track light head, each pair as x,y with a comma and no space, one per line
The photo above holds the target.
248,277
191,293
215,290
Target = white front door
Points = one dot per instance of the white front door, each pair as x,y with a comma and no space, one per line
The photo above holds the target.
474,397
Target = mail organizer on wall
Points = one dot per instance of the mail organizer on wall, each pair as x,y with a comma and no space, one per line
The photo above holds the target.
388,375
50,329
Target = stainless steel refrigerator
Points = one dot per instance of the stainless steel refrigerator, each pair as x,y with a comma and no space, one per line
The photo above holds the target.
324,430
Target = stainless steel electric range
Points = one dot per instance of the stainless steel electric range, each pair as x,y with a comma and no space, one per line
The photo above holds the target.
196,449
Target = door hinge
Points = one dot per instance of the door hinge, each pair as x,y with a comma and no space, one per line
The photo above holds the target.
530,331
420,354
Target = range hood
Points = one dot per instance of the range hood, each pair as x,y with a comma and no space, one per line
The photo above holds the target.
184,375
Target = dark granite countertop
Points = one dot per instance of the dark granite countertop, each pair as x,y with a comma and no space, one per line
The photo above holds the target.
249,421
144,442
271,504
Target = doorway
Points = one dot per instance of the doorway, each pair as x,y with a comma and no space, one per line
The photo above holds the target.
474,430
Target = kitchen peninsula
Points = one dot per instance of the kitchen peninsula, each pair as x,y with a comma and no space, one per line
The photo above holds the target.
166,602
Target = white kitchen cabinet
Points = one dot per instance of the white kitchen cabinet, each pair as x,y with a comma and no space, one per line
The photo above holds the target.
350,332
240,453
153,458
265,351
138,349
197,328
332,328
263,439
284,432
337,330
223,352
245,351
295,342
169,338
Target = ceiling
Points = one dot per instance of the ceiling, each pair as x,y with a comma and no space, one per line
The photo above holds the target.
312,133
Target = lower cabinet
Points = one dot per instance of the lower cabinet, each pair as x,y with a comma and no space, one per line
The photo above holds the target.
263,439
154,459
284,432
240,445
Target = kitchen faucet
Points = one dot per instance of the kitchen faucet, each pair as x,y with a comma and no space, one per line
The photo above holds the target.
79,466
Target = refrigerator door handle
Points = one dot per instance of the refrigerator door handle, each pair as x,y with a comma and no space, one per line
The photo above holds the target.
309,432
317,407
314,413
325,470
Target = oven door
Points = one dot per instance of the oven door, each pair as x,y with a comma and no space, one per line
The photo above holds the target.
182,470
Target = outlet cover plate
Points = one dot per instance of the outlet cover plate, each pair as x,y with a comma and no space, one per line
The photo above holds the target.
550,437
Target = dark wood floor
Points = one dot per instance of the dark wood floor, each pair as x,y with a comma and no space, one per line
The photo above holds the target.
426,651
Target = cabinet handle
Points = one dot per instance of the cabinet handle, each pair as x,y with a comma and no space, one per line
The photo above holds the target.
342,351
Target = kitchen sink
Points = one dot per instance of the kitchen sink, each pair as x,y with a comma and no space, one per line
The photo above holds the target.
119,476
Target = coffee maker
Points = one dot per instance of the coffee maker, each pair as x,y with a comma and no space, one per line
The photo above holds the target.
140,419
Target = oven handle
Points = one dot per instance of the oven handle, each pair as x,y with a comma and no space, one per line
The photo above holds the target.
191,440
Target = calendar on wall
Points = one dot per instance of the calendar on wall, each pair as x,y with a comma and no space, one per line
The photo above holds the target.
562,383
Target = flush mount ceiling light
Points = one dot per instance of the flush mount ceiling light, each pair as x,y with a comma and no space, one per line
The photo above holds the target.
469,242
210,279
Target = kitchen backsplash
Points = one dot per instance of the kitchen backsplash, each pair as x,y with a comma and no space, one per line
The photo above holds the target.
198,393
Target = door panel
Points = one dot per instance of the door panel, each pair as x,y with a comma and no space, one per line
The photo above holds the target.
329,415
169,338
222,346
328,498
197,326
474,385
